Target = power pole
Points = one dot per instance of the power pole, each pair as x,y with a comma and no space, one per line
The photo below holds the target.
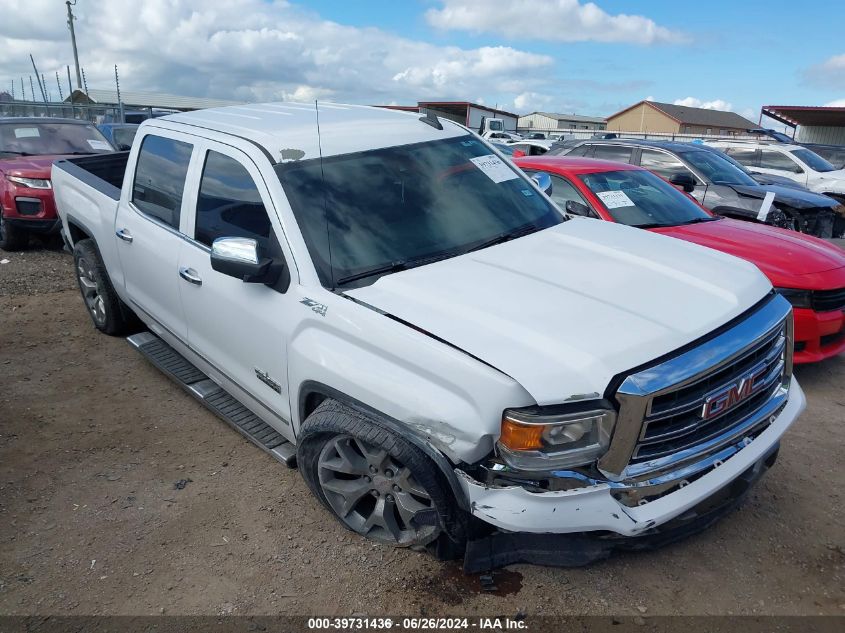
70,20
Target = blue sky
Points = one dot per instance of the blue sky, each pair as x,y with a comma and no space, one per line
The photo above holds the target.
522,55
746,53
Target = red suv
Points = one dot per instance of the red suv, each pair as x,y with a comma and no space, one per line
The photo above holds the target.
807,271
28,147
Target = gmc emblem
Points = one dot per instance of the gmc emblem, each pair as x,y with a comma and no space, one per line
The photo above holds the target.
726,398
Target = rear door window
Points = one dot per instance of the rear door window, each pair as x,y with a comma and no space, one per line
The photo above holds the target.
661,163
770,159
618,153
581,150
160,178
229,203
744,155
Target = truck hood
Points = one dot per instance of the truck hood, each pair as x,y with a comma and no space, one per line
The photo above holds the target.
30,166
564,310
783,256
784,194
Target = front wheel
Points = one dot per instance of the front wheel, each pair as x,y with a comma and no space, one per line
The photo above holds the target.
12,238
374,482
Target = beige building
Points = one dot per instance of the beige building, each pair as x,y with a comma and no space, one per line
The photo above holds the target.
651,116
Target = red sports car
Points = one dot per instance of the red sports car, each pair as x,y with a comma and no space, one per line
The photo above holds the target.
809,272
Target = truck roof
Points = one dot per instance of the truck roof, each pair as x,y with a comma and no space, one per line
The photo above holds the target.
288,131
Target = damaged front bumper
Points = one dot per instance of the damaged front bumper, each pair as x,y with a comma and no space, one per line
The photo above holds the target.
597,508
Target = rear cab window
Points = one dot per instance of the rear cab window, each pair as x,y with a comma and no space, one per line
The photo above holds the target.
160,174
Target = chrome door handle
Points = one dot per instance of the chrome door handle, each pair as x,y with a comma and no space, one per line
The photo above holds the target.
190,275
125,235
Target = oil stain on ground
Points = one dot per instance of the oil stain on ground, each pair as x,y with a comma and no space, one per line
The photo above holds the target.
451,585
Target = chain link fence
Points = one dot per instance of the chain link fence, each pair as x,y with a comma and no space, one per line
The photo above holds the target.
95,113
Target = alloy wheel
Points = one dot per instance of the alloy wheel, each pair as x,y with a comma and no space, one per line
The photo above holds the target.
91,291
374,493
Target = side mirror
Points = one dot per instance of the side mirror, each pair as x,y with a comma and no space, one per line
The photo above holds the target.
577,208
518,153
684,180
238,257
542,180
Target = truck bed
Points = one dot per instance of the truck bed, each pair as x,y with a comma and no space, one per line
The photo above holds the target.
87,193
103,172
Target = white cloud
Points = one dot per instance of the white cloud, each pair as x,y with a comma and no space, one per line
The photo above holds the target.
715,104
531,101
838,103
556,20
828,74
253,50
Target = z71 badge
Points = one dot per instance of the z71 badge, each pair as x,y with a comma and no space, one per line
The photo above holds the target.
319,308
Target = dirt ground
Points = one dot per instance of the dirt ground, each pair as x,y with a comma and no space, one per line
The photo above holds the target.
93,440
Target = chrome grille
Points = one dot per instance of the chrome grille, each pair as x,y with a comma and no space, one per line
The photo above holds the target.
662,429
674,420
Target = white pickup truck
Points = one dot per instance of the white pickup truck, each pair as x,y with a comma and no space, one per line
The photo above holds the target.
386,301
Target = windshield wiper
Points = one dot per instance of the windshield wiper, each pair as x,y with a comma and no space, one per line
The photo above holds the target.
505,237
8,151
698,221
395,267
405,264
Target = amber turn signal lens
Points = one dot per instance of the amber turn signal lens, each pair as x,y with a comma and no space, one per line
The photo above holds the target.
521,437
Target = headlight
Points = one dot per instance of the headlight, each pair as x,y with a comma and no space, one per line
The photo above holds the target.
534,440
798,298
32,183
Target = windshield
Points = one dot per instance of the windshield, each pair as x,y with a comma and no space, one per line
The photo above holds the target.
507,150
813,160
123,136
639,198
716,169
426,201
29,138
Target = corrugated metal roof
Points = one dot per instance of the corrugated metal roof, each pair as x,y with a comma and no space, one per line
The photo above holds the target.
569,117
132,98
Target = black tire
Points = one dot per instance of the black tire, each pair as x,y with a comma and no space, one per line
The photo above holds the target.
108,313
332,424
12,238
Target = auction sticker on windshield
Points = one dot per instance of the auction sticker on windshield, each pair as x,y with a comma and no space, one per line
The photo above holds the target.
615,199
98,145
495,169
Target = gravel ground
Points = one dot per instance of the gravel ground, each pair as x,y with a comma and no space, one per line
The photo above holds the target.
93,439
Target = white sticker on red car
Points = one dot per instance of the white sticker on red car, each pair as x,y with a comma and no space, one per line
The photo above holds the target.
615,199
494,168
99,145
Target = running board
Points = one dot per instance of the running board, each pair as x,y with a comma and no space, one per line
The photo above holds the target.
213,396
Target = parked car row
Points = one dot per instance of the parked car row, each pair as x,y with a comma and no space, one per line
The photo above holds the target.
28,147
718,184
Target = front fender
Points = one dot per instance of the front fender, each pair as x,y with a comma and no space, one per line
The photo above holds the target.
434,391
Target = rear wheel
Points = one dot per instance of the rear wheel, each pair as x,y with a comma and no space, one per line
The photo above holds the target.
12,238
374,482
105,308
